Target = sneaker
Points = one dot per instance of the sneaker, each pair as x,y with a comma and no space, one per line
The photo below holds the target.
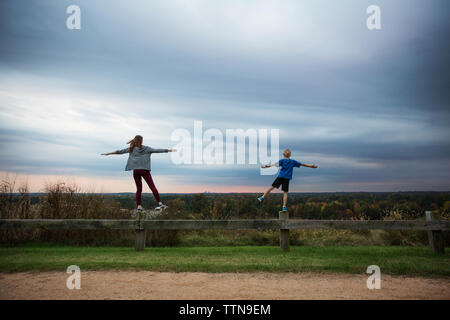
161,207
140,213
284,209
260,199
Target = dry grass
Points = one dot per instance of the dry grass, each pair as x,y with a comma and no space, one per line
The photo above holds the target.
60,201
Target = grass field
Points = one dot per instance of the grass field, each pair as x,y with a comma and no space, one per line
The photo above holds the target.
413,261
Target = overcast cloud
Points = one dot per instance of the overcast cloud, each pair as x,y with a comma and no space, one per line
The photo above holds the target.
371,108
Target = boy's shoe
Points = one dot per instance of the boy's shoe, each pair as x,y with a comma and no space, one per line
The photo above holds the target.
260,199
140,209
284,209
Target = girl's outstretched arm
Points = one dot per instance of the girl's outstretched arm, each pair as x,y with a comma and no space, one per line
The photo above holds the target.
126,150
151,150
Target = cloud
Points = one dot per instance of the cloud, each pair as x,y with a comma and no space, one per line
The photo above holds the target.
366,106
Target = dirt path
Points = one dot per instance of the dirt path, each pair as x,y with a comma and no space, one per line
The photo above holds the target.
204,286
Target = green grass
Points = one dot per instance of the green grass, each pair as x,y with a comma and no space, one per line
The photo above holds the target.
413,261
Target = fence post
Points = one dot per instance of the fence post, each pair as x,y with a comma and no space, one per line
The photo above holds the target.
284,233
141,234
435,237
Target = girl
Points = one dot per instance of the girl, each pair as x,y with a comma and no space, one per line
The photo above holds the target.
139,162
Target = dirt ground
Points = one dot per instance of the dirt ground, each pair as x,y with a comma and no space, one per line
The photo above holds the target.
206,286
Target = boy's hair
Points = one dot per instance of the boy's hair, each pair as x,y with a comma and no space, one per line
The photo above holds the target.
287,153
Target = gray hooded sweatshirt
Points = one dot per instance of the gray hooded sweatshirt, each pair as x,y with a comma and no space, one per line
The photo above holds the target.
139,158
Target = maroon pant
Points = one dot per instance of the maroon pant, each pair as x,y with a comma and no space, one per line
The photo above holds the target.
137,175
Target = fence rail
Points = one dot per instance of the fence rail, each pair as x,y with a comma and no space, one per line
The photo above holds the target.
432,224
292,224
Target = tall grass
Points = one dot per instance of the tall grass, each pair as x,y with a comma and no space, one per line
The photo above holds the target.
402,237
60,201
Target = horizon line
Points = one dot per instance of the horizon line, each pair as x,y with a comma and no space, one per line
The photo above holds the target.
293,192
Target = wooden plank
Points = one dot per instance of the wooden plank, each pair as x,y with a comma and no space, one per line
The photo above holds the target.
435,237
211,224
68,224
366,224
295,224
123,224
284,232
92,224
139,242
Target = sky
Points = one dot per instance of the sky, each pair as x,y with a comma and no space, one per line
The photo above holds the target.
370,107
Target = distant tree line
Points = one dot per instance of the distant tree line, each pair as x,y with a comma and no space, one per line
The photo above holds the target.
373,206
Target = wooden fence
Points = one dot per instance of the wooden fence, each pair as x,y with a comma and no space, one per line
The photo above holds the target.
432,224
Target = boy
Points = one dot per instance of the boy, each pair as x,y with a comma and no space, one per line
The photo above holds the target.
287,166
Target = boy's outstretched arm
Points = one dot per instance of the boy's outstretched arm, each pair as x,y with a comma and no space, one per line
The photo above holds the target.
269,165
309,166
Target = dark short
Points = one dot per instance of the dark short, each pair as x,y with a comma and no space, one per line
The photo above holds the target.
284,183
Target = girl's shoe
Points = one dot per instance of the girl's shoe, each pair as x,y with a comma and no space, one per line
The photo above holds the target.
284,209
161,207
260,199
140,213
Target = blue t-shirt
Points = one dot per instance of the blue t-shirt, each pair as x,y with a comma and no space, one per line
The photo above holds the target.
287,166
